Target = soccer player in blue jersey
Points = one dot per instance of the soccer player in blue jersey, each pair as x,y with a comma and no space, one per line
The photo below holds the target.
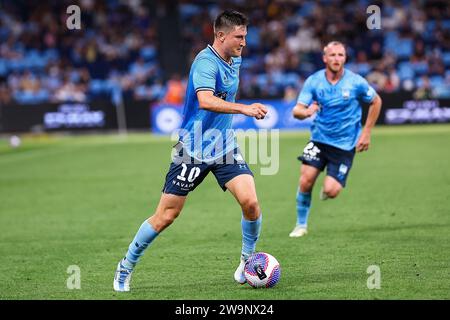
333,95
207,144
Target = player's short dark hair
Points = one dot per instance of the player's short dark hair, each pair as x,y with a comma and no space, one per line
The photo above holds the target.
229,19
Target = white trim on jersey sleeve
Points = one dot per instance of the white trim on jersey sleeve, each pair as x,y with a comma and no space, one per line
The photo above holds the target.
205,89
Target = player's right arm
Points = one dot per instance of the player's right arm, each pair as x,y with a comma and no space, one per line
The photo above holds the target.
207,101
305,106
204,79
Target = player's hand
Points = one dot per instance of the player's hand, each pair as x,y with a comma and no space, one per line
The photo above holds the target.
256,110
363,142
313,108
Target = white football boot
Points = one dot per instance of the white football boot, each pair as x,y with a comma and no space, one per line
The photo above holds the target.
239,273
122,278
299,231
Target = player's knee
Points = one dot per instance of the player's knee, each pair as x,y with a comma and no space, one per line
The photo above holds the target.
170,214
250,208
165,218
306,183
331,192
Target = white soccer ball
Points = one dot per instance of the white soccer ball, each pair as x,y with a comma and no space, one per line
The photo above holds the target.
262,270
15,142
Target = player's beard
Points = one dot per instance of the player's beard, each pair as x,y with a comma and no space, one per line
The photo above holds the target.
335,69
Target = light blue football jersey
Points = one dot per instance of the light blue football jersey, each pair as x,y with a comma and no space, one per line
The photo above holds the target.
209,135
338,122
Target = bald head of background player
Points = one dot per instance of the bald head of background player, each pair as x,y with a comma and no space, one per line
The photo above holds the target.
334,57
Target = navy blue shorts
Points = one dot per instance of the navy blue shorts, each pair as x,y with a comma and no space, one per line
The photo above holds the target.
337,161
185,175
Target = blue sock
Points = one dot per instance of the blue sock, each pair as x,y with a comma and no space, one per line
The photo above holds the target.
145,235
303,205
250,235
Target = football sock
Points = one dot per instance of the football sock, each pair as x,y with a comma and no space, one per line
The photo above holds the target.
250,235
145,235
303,205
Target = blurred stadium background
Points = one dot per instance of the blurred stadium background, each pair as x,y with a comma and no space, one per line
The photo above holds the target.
137,54
77,200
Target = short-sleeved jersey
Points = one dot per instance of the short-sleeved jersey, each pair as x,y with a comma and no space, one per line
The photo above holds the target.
338,122
209,135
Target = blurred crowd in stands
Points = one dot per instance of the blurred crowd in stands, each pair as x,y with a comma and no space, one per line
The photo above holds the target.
410,52
42,60
115,53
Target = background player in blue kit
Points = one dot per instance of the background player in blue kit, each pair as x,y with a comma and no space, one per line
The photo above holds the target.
207,143
333,94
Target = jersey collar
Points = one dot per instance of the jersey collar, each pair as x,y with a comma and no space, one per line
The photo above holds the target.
219,56
325,76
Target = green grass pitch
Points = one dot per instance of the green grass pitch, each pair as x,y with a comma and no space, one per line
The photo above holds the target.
79,201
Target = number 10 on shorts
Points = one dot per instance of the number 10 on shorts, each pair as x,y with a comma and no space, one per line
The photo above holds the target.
193,174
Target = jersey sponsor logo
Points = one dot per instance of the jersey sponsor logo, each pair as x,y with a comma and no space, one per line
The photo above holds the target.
183,186
310,152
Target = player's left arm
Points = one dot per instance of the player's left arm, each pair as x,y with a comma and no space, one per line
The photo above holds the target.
367,94
374,112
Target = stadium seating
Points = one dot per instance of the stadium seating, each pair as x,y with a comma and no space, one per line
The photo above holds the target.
284,44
